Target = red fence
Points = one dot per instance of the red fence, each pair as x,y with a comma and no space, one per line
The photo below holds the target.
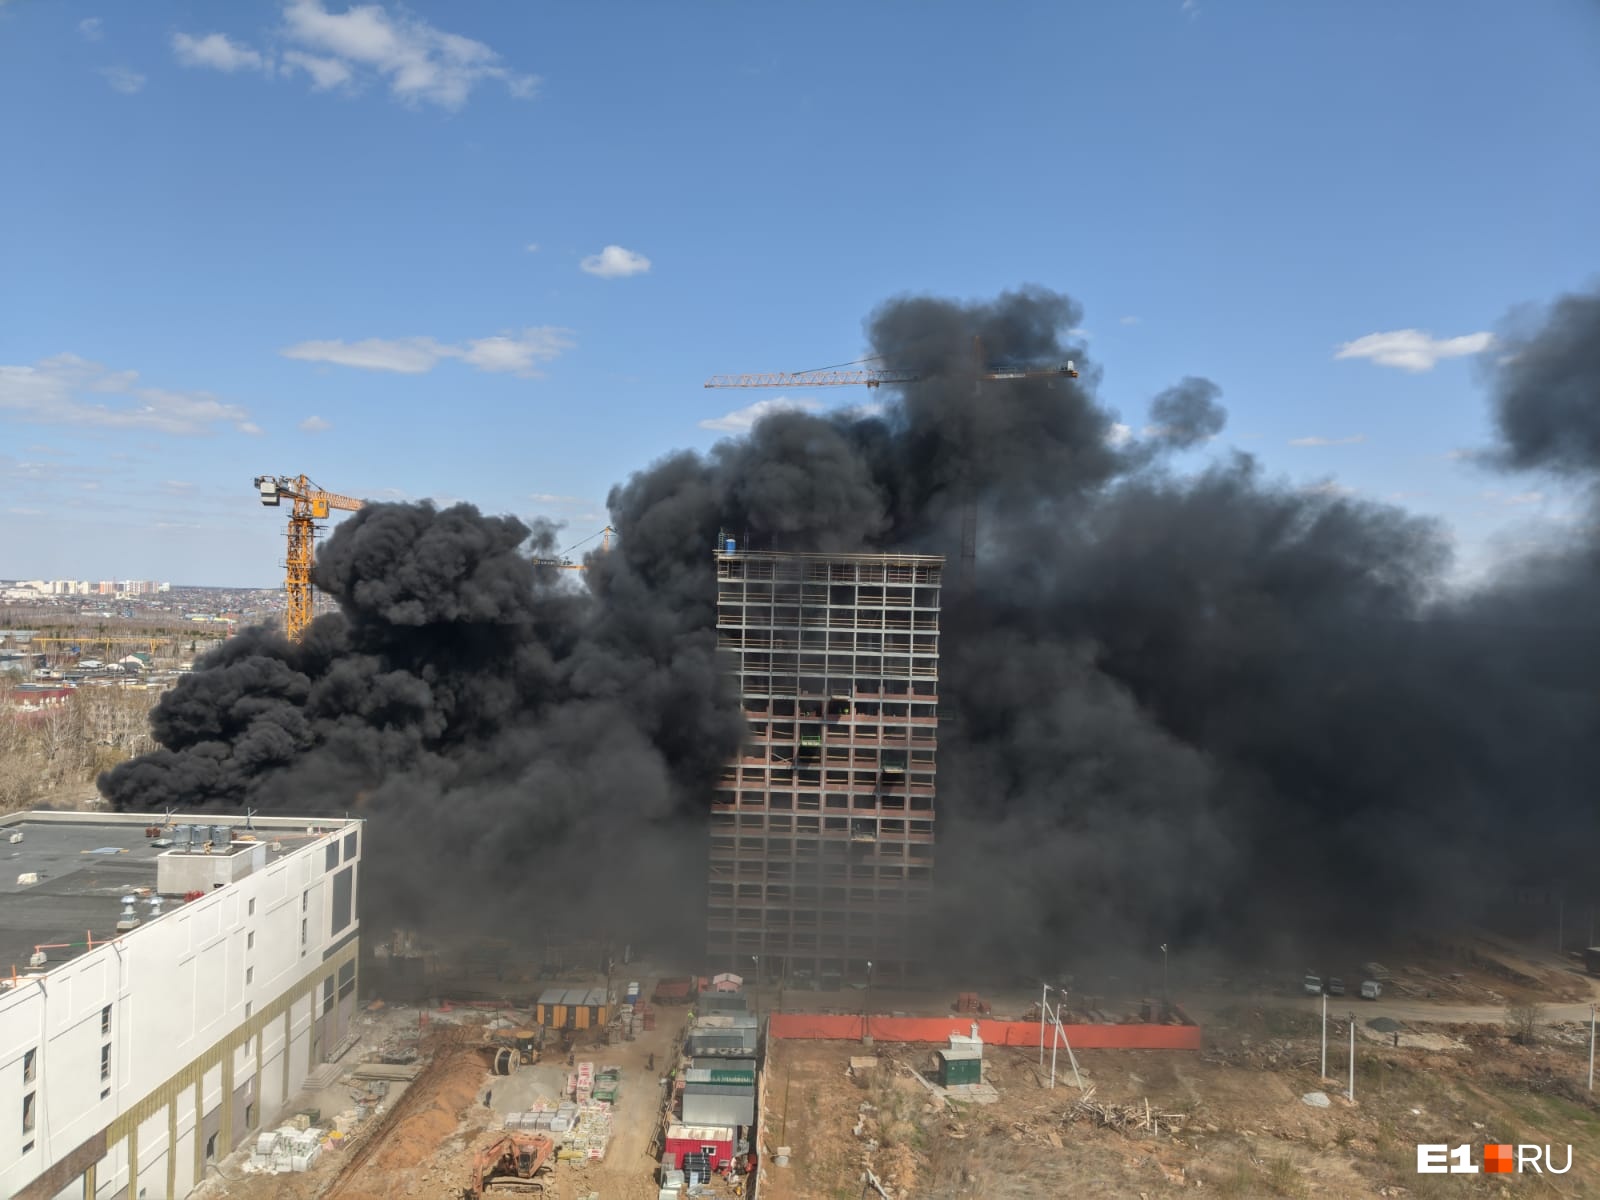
994,1033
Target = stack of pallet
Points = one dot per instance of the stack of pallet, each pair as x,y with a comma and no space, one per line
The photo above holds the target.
583,1083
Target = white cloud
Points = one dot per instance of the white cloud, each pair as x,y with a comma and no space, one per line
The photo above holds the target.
315,425
123,80
421,63
90,29
216,51
866,410
325,73
741,420
1127,320
1513,499
1412,349
533,247
517,354
52,391
1354,439
1119,434
551,498
407,356
1328,488
615,263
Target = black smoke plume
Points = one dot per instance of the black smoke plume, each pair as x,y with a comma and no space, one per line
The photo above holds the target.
1209,708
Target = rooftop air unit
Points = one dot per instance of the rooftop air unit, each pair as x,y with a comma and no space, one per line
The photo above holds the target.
129,918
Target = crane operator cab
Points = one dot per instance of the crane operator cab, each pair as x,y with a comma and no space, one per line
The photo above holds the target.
269,491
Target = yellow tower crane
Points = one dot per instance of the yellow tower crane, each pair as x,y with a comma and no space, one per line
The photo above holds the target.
309,504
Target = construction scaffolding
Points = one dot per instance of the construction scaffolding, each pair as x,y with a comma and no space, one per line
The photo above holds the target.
822,831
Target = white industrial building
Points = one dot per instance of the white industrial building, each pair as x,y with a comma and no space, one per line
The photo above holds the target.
165,991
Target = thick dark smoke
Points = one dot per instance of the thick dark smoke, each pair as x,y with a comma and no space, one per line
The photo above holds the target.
1548,402
1209,707
1188,413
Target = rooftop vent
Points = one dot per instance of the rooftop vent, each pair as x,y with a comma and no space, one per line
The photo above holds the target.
129,918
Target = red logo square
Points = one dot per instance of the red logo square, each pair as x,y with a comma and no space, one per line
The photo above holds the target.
1498,1160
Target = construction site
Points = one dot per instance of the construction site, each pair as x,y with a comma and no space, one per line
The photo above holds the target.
883,806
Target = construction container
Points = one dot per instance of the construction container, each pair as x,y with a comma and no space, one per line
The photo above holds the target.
715,1143
719,1104
732,1074
960,1066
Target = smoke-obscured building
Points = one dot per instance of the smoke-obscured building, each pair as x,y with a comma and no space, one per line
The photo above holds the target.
142,1035
822,832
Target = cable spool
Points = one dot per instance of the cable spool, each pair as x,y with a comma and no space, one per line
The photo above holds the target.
505,1061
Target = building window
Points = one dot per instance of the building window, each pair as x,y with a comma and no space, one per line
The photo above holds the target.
305,900
211,1147
27,1111
105,1061
304,931
250,938
331,857
30,1065
249,976
105,1021
247,1007
250,909
249,1116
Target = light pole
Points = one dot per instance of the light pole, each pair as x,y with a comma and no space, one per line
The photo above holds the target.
1591,1047
1166,995
756,958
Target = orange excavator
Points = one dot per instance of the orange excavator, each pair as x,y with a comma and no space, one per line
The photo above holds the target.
508,1166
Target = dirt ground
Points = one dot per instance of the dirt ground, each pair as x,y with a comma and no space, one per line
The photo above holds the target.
1231,1118
422,1147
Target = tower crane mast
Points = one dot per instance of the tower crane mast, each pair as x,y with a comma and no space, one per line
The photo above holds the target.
308,505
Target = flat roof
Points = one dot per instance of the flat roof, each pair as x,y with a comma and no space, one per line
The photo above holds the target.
583,997
700,1133
86,863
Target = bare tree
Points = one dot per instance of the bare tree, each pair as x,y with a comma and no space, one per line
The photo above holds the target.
1523,1020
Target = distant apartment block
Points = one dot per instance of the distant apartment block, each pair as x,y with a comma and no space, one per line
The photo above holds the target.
822,831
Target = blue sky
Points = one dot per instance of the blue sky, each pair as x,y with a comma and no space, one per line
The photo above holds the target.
371,244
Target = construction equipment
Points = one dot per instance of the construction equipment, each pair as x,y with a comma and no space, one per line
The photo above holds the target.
510,1166
985,370
565,563
514,1047
309,504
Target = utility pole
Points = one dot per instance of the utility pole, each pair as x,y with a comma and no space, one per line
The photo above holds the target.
1166,995
1324,1031
866,1013
1044,991
755,991
1351,1094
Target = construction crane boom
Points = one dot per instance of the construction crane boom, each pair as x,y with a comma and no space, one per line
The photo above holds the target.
308,505
984,370
565,563
780,379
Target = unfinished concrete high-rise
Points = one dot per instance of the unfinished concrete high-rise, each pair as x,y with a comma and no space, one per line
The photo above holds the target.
822,830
